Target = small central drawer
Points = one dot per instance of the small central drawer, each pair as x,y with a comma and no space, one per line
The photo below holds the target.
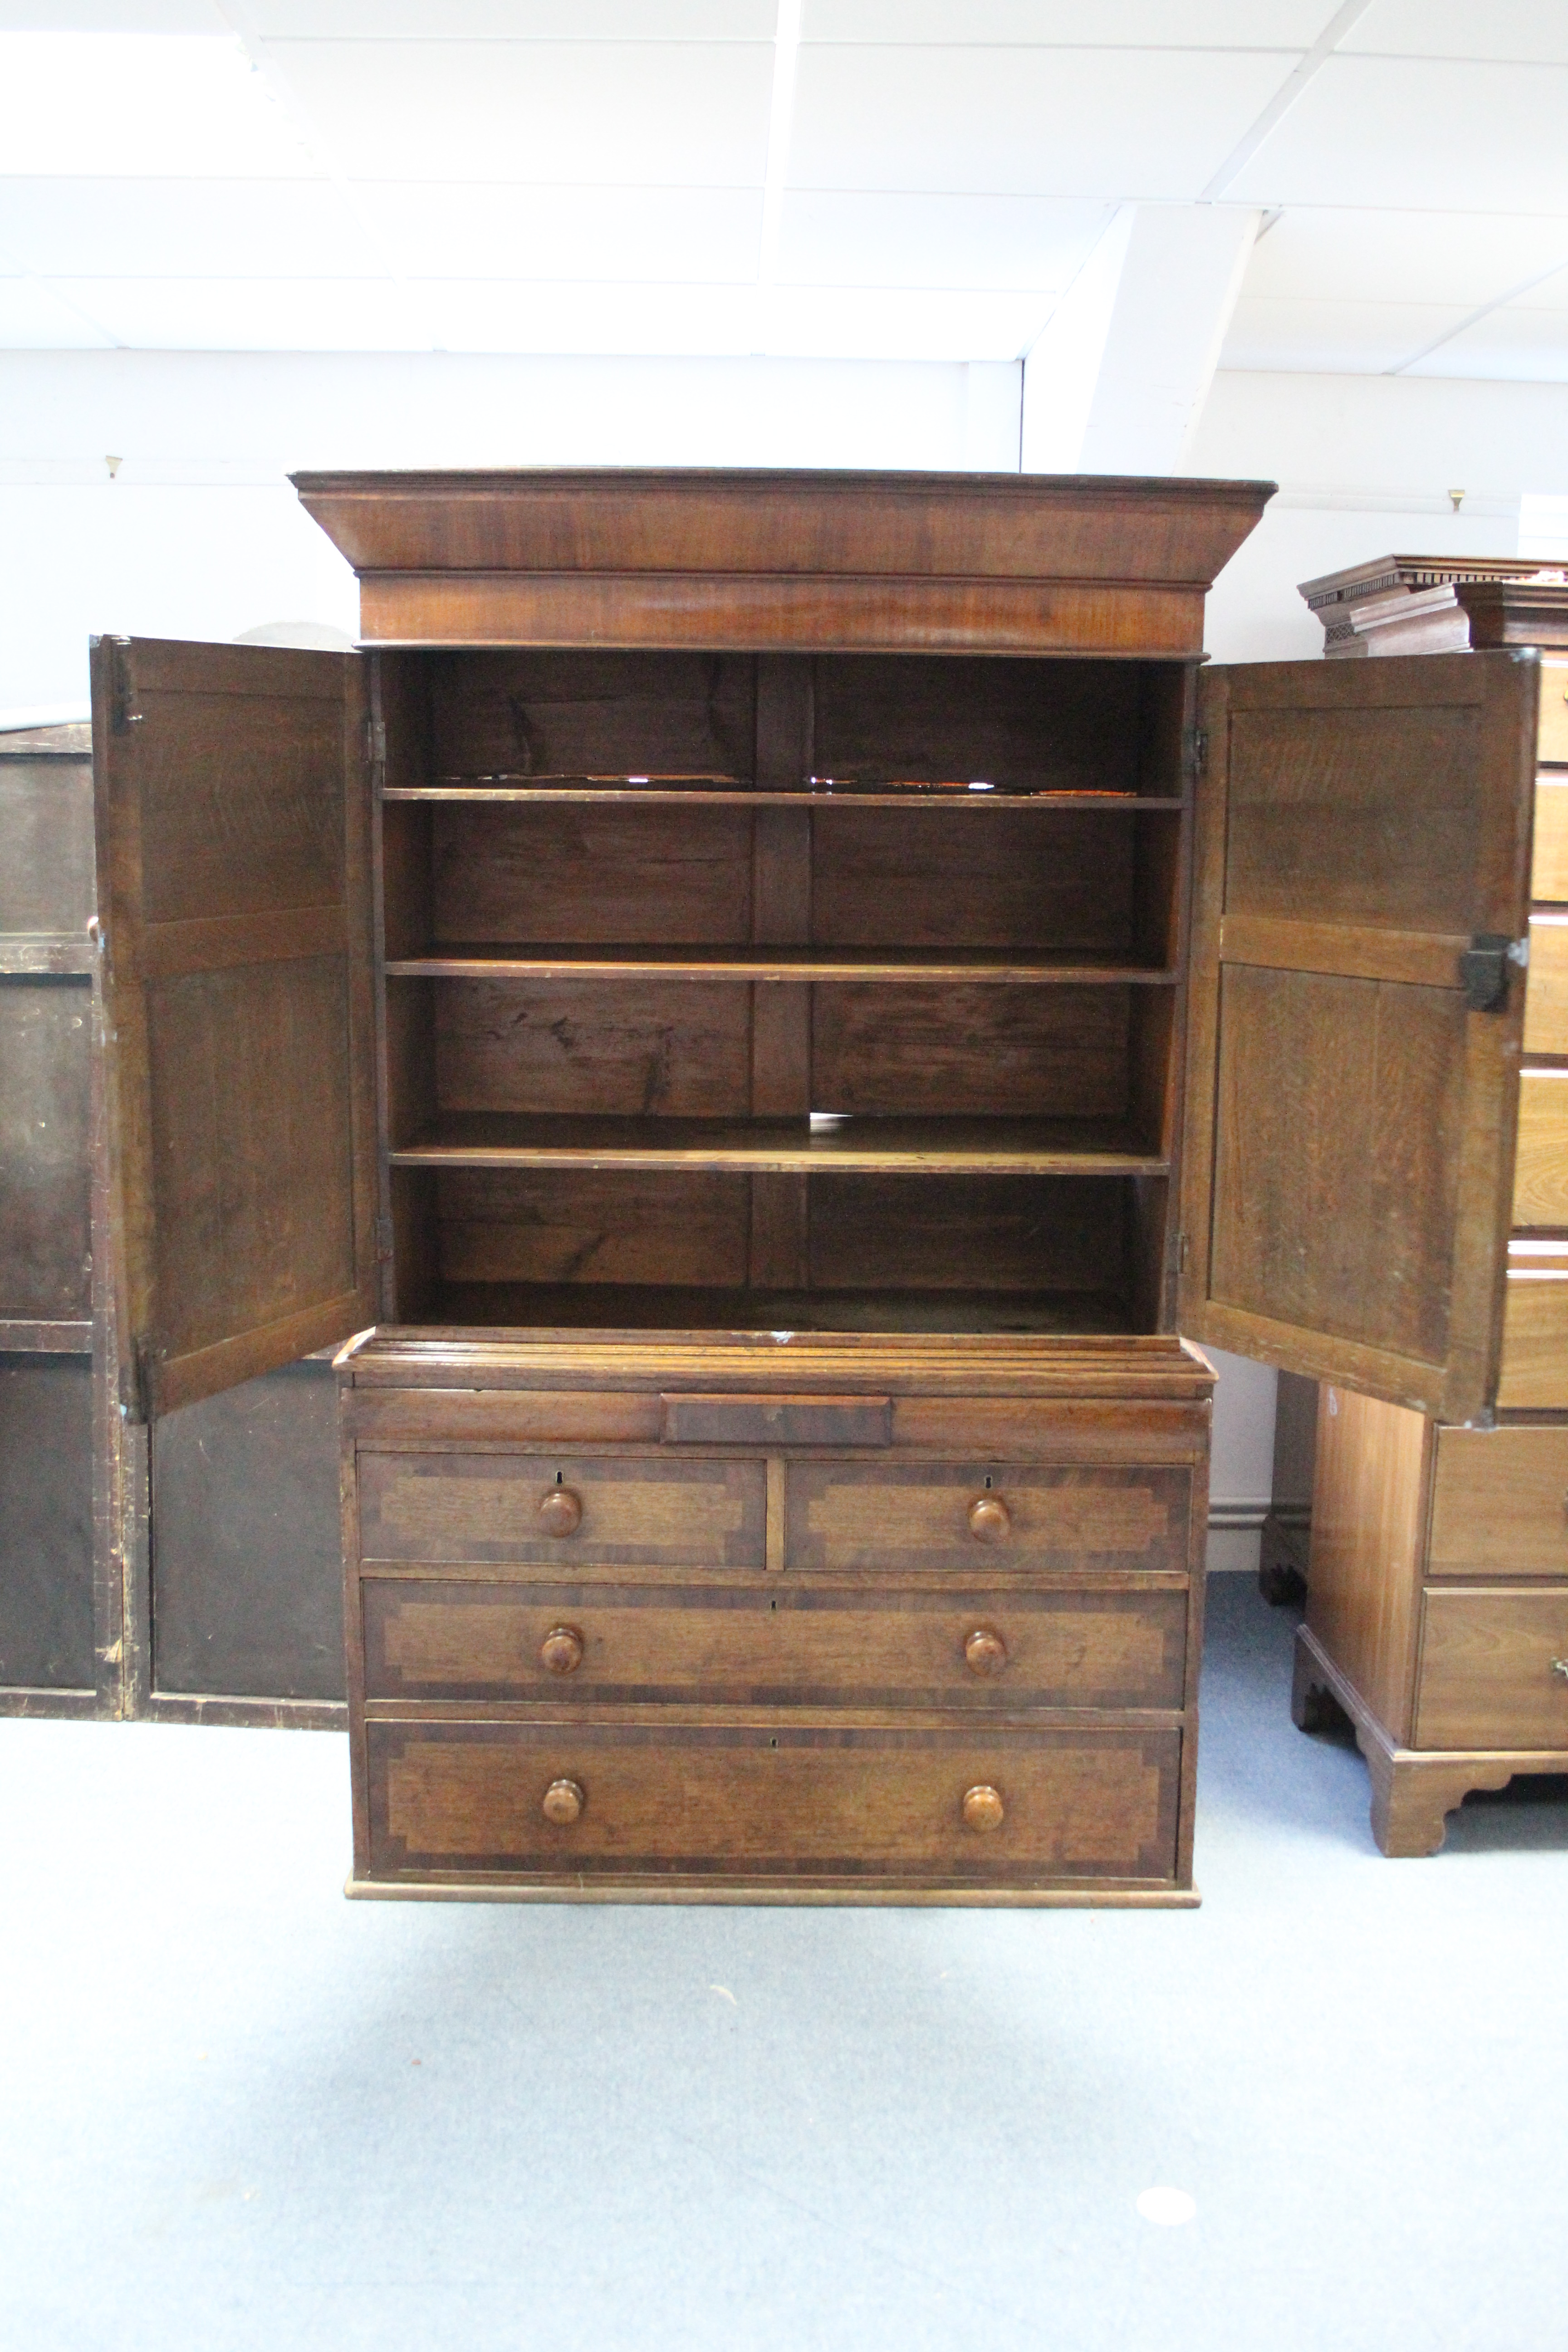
544,1509
810,1645
937,1515
605,1799
1500,1503
1494,1670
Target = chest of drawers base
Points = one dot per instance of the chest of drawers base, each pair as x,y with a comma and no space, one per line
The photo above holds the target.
624,1621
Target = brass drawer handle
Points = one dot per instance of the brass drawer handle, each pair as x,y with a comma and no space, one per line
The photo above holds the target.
563,1803
1559,1667
561,1511
989,1518
982,1807
984,1653
561,1651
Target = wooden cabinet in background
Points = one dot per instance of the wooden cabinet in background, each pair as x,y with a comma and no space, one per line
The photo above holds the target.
761,999
1437,1596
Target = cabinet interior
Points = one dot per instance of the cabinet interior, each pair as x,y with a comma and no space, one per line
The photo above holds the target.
835,991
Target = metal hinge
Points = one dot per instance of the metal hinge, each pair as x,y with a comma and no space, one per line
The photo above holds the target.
1197,750
1483,969
1180,1253
383,1241
376,741
122,716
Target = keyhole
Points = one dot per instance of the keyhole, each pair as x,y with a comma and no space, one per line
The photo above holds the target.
558,1479
773,1743
772,1605
988,1482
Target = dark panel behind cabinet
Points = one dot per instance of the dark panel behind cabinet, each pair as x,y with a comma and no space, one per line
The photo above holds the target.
45,1225
46,1522
247,1592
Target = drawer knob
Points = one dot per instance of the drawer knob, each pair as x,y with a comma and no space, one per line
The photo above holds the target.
982,1807
984,1653
562,1650
563,1803
989,1518
1559,1667
561,1511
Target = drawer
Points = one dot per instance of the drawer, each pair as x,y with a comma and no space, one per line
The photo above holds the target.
541,1511
1533,1376
1500,1503
1553,738
773,1800
817,1645
1493,1670
1540,1168
1549,843
1546,986
851,1515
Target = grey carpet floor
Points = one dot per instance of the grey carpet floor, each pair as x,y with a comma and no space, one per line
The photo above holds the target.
238,2110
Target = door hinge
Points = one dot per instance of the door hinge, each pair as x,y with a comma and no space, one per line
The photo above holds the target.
1180,1253
383,1241
1197,750
376,741
1483,969
123,717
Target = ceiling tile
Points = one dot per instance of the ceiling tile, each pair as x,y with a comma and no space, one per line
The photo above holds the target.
1333,338
252,314
827,238
631,320
1529,31
678,115
1110,23
515,20
1078,123
32,319
1400,257
111,16
1515,344
183,228
124,105
441,230
1387,131
880,323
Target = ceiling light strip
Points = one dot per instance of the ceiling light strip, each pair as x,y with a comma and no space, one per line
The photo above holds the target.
781,117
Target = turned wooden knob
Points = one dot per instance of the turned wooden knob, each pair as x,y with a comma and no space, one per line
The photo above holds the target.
989,1518
563,1801
562,1650
984,1653
982,1807
561,1512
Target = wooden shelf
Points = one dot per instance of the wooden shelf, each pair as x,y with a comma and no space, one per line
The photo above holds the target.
910,1147
908,966
620,791
579,1306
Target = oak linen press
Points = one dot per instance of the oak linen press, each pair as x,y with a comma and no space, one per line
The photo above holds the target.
775,995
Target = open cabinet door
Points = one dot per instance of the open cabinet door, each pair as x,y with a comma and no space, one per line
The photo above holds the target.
233,854
1363,833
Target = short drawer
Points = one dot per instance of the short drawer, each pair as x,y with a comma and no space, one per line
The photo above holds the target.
819,1644
541,1511
1494,1670
1541,1167
1546,986
1533,1372
1500,1503
1549,842
777,1800
847,1515
1551,740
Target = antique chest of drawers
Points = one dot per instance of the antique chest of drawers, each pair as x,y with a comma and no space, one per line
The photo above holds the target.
775,1617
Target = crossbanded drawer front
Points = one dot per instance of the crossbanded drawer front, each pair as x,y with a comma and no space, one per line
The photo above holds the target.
544,1510
604,1800
940,1516
815,1644
1494,1670
1541,1163
1533,1374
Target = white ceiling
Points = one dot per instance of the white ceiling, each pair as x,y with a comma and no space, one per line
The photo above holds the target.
913,178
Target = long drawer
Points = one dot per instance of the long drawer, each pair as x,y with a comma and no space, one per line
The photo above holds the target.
992,1516
549,1510
604,1800
1494,1669
1500,1503
776,1642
